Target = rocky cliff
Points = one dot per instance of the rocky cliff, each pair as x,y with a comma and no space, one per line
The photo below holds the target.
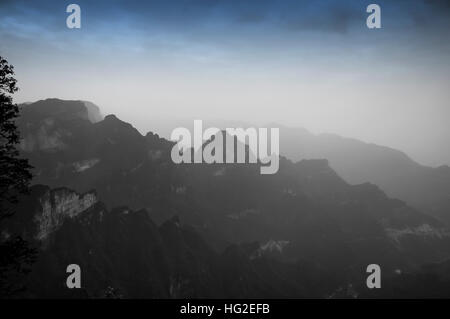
57,205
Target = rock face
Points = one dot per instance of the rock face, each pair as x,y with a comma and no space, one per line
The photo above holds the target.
94,114
59,205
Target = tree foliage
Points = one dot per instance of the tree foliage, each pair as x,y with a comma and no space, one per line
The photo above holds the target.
15,176
15,173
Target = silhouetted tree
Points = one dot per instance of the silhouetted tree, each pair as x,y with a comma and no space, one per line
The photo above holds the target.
15,173
15,176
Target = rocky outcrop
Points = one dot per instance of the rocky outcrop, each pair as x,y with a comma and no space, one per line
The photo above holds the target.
94,114
58,205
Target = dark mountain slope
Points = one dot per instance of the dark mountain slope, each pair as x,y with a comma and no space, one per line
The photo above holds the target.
123,254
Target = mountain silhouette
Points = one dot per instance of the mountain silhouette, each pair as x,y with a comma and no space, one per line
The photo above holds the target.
425,188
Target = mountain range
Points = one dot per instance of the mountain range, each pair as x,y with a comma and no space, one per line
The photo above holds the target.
399,176
425,188
110,199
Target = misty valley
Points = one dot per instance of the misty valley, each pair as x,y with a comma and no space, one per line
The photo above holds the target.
142,226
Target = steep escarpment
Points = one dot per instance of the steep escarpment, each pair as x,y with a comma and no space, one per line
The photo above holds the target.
44,210
59,205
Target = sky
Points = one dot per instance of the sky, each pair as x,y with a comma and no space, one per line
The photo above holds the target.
311,64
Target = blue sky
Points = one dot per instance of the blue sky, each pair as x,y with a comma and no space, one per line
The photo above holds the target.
303,63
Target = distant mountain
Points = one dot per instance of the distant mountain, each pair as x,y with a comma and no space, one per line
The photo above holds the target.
425,188
62,109
303,216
